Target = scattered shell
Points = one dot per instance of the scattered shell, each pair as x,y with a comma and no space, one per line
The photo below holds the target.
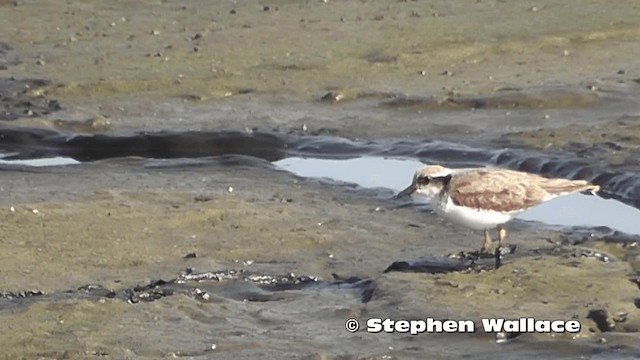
230,189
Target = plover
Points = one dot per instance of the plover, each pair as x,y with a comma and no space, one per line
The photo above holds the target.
484,198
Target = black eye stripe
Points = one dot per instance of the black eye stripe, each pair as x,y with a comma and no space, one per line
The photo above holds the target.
425,179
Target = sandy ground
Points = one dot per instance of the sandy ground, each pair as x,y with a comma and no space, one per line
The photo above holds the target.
499,73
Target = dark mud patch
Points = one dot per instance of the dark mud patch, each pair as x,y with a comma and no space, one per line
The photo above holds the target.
462,261
34,143
433,265
473,261
25,98
232,284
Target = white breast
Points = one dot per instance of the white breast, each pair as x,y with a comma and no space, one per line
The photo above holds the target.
472,218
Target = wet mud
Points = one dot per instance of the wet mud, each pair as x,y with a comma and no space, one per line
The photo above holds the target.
17,99
176,236
192,220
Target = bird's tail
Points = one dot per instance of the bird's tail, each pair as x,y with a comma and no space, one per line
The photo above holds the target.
562,187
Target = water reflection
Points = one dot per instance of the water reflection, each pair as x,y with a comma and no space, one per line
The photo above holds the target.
52,161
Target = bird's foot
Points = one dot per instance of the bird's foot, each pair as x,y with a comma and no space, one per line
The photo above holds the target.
501,251
471,255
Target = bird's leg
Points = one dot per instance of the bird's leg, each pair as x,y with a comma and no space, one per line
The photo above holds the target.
486,245
502,235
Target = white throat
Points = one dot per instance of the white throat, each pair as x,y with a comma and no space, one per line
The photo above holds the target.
431,192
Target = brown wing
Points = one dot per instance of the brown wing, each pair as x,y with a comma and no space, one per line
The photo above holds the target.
502,190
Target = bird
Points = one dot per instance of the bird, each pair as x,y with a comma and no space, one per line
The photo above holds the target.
486,198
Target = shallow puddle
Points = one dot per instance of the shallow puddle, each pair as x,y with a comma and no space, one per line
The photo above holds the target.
53,161
396,174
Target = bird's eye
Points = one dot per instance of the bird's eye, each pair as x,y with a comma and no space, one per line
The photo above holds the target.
424,180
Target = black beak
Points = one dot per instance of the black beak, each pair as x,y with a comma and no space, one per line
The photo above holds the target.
406,192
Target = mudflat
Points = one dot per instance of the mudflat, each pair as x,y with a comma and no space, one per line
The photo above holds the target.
151,248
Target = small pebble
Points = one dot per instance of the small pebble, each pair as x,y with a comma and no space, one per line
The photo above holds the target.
230,189
155,32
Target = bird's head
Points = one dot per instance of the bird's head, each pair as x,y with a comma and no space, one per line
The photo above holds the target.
428,180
